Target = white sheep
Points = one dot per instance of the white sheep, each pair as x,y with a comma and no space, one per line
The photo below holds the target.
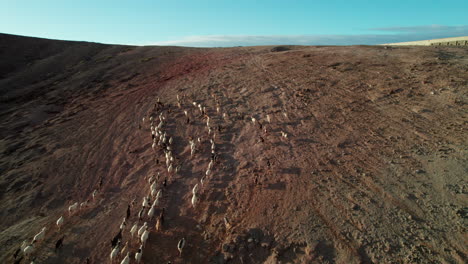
134,229
194,200
123,224
151,211
144,237
28,250
72,208
115,251
142,228
268,118
138,255
60,222
195,189
126,260
180,246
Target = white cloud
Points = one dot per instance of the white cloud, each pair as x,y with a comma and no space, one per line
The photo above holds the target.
402,34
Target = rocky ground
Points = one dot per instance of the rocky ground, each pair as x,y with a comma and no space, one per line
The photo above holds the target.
371,168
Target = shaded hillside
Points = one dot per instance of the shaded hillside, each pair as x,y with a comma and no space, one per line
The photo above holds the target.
371,167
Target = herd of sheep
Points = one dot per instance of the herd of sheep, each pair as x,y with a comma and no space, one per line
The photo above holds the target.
162,143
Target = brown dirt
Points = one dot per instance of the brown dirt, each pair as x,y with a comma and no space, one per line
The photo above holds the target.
373,169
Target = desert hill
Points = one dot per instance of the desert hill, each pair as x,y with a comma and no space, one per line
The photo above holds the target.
364,159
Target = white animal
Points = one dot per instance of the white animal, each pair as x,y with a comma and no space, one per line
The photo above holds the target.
284,134
151,211
208,172
194,200
268,118
126,260
72,208
195,189
60,222
138,255
134,229
123,224
39,236
180,245
144,237
115,251
24,245
142,228
28,250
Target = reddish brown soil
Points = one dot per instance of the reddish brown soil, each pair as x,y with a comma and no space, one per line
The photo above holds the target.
373,169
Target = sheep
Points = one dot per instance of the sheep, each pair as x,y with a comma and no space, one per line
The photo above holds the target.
124,248
115,251
140,213
158,225
210,165
142,228
284,134
144,237
208,172
268,119
194,200
180,246
28,250
40,235
134,229
59,243
151,211
195,189
83,204
60,222
170,140
94,194
138,255
72,208
126,260
153,192
253,120
123,224
185,113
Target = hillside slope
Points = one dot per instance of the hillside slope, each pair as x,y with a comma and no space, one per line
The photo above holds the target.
372,170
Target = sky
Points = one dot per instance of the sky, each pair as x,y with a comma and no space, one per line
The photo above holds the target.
221,23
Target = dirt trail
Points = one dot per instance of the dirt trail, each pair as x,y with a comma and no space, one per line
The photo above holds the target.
372,169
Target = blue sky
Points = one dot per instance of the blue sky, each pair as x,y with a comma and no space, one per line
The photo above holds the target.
236,22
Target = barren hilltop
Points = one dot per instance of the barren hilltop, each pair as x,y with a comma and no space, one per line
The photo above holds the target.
319,154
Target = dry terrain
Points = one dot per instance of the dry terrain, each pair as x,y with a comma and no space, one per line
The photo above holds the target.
372,167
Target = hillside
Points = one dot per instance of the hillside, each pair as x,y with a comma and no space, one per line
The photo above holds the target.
372,167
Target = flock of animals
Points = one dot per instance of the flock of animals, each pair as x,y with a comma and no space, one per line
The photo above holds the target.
162,143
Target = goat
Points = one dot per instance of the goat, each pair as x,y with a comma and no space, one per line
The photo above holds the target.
72,208
134,229
142,228
144,237
195,189
115,251
60,222
28,250
40,235
138,255
180,246
194,200
126,260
